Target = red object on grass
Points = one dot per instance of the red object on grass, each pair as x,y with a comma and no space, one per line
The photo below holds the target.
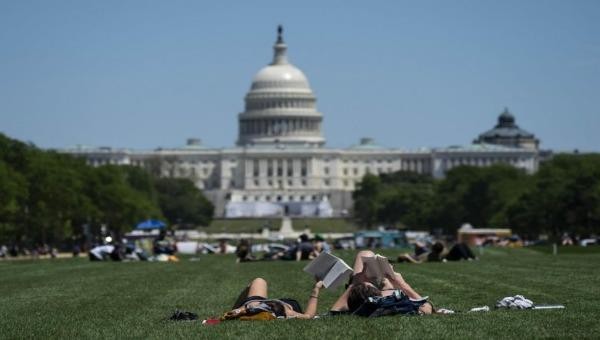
209,322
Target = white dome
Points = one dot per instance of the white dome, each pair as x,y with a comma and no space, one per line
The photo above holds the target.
280,76
280,106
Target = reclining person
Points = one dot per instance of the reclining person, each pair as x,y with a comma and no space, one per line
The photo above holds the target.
114,252
303,249
254,301
459,251
363,290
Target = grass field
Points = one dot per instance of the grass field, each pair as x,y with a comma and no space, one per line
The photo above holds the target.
75,298
255,225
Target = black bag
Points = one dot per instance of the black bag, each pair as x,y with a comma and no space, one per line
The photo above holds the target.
183,316
397,303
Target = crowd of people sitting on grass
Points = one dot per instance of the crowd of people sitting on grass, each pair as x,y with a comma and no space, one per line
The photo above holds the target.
308,249
437,253
163,250
40,250
303,249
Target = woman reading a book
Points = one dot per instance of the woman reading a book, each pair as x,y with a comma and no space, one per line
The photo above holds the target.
254,304
364,284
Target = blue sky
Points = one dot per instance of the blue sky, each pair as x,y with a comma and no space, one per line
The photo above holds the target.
143,74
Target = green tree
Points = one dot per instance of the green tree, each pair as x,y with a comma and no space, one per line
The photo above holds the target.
480,196
119,205
13,192
367,200
565,197
182,202
406,197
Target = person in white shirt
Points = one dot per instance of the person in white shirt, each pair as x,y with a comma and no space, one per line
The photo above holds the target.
101,253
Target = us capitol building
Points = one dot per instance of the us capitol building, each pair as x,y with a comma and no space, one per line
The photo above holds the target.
280,164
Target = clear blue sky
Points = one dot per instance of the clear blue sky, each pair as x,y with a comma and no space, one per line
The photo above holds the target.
143,74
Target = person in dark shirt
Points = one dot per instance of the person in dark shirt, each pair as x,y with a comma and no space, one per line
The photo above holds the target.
302,250
254,298
459,251
243,251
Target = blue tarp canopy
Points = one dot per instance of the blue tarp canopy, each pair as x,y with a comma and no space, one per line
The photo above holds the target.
151,224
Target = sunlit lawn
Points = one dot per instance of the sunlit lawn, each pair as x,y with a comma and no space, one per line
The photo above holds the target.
253,225
74,298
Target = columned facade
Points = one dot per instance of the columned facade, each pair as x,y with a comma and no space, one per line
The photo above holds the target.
280,165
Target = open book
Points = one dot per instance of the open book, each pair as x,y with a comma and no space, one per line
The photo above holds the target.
332,270
376,268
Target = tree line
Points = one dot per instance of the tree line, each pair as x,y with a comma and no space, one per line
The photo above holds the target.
47,197
563,196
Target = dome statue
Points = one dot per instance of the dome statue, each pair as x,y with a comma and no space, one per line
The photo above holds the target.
280,106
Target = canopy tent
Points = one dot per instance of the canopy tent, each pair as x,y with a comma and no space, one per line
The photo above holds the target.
150,224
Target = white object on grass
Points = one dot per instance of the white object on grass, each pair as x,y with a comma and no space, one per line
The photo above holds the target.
444,311
516,302
549,307
480,309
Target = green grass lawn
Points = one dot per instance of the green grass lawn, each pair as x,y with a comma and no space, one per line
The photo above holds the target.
255,225
75,298
241,225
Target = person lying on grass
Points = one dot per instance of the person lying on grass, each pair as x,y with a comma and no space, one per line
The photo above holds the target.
460,251
362,288
254,304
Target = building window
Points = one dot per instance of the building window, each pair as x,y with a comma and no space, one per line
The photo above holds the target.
345,171
255,182
303,182
303,170
326,182
326,170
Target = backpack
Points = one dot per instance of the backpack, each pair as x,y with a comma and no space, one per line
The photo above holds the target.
183,316
397,303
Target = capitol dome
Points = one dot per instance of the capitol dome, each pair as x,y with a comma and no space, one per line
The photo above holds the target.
280,106
280,77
